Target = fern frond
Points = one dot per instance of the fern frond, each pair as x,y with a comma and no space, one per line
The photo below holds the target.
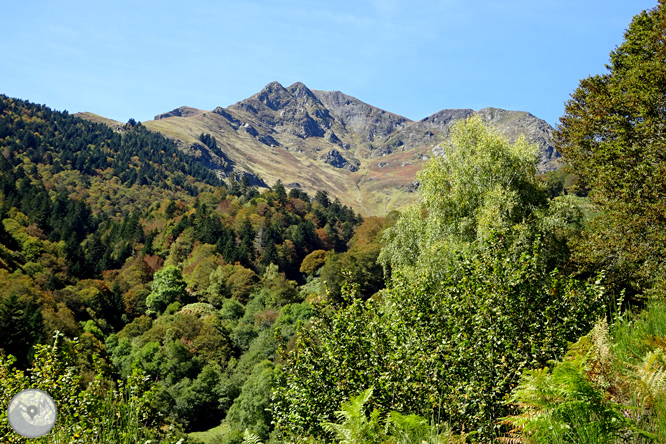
650,375
250,438
353,426
513,438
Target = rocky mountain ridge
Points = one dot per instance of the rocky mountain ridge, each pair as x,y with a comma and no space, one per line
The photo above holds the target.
365,156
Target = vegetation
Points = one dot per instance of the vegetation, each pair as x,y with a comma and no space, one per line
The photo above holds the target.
612,134
611,386
181,278
475,298
355,427
96,413
156,302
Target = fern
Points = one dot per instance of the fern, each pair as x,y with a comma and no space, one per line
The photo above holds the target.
250,438
651,374
406,429
353,426
569,403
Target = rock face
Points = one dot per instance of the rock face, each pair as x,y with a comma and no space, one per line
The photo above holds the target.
360,118
183,111
342,120
435,129
297,135
516,123
335,159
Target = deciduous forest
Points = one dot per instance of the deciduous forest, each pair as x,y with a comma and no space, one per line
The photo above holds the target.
158,302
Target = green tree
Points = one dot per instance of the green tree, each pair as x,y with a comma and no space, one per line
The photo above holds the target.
22,326
612,135
250,409
280,192
475,298
168,286
482,187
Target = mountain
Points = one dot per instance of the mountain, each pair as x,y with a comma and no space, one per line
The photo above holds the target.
320,140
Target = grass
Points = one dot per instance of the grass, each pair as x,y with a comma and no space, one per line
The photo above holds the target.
211,436
99,119
372,191
587,207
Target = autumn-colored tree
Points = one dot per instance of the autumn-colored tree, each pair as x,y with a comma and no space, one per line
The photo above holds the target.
313,261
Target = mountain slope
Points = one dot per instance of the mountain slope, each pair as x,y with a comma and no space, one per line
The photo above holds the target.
320,140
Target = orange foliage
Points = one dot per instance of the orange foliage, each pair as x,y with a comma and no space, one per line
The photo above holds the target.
369,232
326,243
154,262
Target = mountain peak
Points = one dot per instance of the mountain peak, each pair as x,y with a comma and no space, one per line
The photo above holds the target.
333,141
273,87
297,85
183,111
273,96
299,90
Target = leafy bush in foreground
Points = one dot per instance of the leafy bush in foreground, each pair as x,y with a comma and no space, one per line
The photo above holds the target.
95,414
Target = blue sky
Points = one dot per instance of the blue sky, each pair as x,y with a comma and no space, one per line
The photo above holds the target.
124,59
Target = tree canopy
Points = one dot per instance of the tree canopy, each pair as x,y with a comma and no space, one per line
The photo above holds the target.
475,298
483,187
613,135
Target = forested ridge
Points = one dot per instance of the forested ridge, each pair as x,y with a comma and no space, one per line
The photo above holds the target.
157,302
122,241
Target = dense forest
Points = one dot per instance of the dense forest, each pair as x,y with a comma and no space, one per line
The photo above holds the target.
153,263
156,302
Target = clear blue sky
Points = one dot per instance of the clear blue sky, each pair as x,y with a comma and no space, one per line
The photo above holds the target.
136,59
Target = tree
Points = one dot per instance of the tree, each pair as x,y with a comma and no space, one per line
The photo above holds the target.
322,198
280,192
613,137
168,286
474,299
250,409
482,188
312,262
22,325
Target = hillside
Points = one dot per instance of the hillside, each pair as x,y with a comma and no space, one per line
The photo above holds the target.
320,140
119,239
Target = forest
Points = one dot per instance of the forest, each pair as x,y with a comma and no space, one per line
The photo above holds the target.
158,302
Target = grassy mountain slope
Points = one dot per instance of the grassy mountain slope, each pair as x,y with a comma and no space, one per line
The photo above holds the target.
319,140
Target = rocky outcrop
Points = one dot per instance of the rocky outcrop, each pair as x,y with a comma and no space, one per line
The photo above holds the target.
183,111
363,120
435,129
234,122
513,124
331,137
294,110
335,159
268,140
273,96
